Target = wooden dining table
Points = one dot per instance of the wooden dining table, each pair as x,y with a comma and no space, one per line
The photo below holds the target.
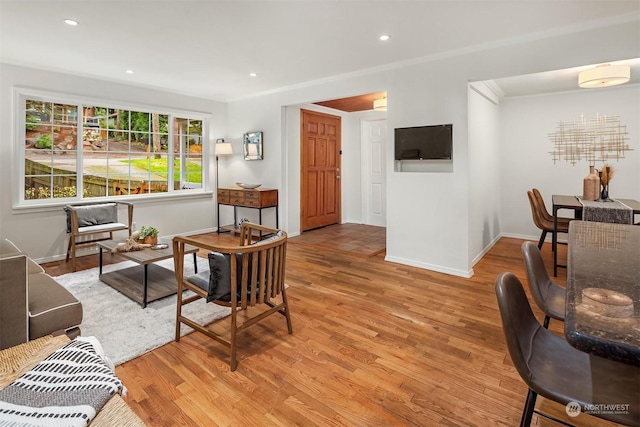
603,290
573,203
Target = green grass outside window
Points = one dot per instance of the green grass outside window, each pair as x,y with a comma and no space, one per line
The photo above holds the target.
193,172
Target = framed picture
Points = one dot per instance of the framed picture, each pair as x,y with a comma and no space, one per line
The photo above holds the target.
253,146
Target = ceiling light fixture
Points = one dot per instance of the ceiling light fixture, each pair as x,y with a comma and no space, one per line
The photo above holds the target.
380,104
384,37
71,22
604,76
252,74
129,71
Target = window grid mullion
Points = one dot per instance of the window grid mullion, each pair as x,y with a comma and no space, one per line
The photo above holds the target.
79,151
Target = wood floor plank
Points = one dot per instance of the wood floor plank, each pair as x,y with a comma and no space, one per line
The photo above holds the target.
374,344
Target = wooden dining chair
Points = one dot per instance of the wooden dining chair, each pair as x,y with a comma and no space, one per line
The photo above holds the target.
249,278
552,368
542,221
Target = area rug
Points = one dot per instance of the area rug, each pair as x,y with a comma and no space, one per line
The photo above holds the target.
122,326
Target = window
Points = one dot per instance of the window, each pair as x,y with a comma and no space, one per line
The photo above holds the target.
89,150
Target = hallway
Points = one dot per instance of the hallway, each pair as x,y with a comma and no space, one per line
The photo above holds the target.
358,239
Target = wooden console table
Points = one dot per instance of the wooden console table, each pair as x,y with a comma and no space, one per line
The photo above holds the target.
256,198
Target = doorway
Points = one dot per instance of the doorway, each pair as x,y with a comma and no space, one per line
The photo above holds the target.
320,184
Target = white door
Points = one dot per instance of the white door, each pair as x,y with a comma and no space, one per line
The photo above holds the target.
374,136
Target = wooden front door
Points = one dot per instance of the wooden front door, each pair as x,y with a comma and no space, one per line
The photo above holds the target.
321,170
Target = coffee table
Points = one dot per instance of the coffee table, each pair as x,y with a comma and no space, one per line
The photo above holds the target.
145,282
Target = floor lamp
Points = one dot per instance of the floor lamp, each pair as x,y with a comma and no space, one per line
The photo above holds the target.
221,149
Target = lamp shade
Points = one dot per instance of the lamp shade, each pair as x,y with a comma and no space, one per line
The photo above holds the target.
224,149
380,104
604,75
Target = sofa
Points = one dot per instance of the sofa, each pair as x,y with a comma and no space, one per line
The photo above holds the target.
32,303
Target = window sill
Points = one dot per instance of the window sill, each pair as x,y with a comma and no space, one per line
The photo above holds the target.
136,200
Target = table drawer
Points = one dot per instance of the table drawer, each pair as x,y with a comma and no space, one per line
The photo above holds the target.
252,195
252,203
236,197
223,196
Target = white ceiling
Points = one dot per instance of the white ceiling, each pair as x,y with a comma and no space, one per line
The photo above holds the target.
208,48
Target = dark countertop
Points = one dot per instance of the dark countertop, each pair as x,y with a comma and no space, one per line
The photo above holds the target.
605,258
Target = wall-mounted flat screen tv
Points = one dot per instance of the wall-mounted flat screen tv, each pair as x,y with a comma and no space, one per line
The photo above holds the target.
424,143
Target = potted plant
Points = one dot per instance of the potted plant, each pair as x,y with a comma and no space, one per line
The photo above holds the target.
148,235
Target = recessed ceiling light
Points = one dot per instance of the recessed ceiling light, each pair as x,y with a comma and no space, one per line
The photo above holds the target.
384,37
252,74
129,71
71,22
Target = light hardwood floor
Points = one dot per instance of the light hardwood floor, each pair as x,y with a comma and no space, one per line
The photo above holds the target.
374,344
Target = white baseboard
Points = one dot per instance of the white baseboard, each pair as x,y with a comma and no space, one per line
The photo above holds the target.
561,237
432,267
486,249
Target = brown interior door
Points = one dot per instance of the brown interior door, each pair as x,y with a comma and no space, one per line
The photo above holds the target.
320,180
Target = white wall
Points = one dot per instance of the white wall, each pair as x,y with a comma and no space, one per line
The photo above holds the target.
527,162
427,212
41,232
485,190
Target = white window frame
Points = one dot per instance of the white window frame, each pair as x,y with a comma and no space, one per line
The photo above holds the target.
21,95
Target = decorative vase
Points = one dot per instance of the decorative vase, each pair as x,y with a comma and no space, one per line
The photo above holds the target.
591,185
604,194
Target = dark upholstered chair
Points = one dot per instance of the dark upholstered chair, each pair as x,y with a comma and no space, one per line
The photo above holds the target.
548,295
542,221
553,369
248,278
